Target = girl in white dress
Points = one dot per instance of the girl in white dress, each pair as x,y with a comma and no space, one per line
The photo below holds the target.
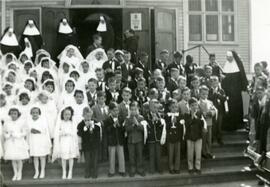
39,140
15,146
66,141
67,94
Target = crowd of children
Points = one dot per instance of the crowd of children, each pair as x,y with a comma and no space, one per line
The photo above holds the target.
106,107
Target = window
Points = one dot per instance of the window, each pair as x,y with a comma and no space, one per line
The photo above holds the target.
195,28
211,20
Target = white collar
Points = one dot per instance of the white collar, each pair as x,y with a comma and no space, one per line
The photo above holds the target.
9,40
230,67
31,31
64,29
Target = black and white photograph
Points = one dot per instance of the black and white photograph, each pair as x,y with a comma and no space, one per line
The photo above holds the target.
134,93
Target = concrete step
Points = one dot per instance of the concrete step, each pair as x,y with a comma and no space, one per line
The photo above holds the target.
209,175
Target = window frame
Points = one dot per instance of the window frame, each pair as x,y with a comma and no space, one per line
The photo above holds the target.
220,14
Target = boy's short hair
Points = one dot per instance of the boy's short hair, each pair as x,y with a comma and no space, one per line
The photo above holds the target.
161,78
195,78
214,77
264,64
92,80
98,69
258,64
212,55
181,77
203,88
174,70
112,105
164,51
171,102
185,90
127,90
118,72
86,110
260,88
153,91
78,92
111,79
141,79
100,93
134,104
207,67
192,100
138,70
110,49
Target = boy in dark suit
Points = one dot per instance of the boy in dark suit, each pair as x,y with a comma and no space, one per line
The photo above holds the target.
195,87
127,67
156,136
175,134
218,97
195,127
140,93
100,113
89,130
91,92
135,133
111,94
172,83
101,84
111,64
115,133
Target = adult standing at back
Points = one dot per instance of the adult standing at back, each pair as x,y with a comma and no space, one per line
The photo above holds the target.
234,83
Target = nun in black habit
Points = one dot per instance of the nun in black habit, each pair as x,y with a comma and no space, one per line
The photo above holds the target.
234,83
65,36
33,35
9,42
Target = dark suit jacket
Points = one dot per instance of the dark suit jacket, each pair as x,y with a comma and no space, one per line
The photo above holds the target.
218,98
154,129
115,134
174,134
91,100
108,65
109,97
171,85
127,72
135,132
194,127
90,139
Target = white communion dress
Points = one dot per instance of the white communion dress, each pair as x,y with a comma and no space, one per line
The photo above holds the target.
15,144
39,144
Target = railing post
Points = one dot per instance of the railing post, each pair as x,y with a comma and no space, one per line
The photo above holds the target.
200,55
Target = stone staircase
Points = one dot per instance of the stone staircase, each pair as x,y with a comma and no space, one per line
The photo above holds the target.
228,166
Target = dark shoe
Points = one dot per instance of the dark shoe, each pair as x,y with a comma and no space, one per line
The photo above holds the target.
122,174
220,142
210,156
177,171
110,174
171,172
204,156
191,171
141,174
131,174
198,171
260,183
94,176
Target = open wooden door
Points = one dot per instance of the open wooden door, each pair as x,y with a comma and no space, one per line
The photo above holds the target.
139,20
50,20
21,16
165,30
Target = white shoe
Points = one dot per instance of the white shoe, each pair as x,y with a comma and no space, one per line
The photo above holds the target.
36,175
69,175
64,176
14,178
42,175
19,177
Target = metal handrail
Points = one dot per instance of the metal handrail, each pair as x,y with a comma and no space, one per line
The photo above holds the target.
199,46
